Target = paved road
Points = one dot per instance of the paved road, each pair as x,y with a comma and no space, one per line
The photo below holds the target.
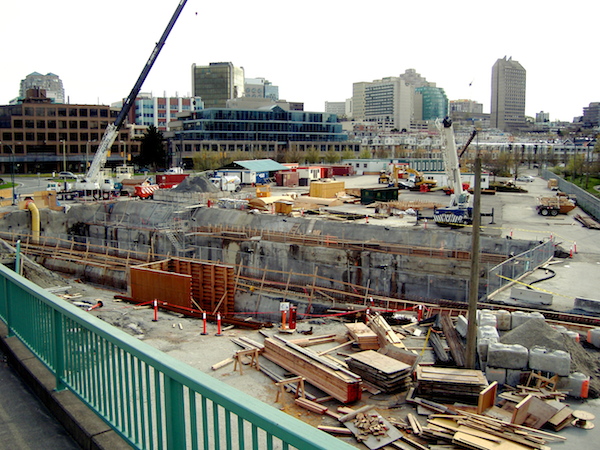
24,422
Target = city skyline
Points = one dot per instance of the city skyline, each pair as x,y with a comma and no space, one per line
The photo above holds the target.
313,54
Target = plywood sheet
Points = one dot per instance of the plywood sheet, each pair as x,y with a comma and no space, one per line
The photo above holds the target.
149,284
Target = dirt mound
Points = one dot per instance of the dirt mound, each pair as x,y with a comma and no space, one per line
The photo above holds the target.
196,183
535,332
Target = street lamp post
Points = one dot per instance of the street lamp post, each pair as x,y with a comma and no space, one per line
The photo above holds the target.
64,143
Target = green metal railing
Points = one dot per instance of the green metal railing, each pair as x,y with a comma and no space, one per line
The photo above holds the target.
149,398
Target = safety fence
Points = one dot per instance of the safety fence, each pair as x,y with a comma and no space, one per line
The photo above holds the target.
516,267
150,399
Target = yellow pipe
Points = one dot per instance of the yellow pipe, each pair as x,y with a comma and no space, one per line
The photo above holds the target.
35,221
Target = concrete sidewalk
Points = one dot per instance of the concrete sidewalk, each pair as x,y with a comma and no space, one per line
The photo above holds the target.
34,415
24,422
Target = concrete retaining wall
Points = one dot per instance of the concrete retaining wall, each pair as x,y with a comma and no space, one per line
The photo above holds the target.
142,226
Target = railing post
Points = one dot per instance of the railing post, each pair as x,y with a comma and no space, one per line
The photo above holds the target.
8,298
174,415
59,350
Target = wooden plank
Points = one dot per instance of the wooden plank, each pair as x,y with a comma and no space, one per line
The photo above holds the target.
521,411
454,342
487,398
380,362
335,430
537,412
480,443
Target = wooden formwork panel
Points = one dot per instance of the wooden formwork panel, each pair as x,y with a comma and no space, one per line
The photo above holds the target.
211,286
149,284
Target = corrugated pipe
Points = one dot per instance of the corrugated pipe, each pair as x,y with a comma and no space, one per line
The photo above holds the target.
35,221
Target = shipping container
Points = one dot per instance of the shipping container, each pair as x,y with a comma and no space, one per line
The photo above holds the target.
342,171
382,194
287,179
169,180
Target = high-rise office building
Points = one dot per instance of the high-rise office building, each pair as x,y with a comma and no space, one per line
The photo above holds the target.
217,83
358,100
591,115
390,103
508,95
50,82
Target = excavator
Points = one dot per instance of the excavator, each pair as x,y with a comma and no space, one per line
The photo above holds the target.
401,175
94,181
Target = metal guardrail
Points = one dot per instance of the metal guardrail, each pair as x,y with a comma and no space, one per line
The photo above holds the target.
514,268
149,398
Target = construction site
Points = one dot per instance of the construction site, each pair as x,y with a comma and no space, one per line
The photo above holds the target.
349,317
342,303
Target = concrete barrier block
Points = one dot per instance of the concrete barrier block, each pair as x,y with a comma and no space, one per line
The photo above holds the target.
496,374
553,361
485,336
578,385
593,337
515,377
531,297
508,356
587,304
503,320
520,317
462,325
487,319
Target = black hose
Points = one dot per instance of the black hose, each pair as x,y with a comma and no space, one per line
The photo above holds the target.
552,275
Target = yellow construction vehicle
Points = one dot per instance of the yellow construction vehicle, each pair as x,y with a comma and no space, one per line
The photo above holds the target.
401,175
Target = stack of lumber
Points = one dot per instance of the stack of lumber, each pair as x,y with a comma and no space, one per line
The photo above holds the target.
462,385
382,371
319,371
363,335
484,433
587,222
384,332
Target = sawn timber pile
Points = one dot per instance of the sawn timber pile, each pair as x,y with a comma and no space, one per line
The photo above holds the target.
336,381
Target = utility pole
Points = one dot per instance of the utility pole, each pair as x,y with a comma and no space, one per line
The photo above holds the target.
474,279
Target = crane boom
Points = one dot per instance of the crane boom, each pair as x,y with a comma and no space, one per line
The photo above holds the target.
460,210
112,130
451,158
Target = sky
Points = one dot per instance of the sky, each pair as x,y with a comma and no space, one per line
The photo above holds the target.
313,50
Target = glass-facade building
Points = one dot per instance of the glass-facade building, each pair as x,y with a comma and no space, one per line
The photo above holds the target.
272,124
434,102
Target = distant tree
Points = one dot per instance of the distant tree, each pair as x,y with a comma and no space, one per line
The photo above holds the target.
347,153
152,150
332,157
365,153
292,156
205,161
312,155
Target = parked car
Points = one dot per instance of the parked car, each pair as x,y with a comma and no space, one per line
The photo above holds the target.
526,178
